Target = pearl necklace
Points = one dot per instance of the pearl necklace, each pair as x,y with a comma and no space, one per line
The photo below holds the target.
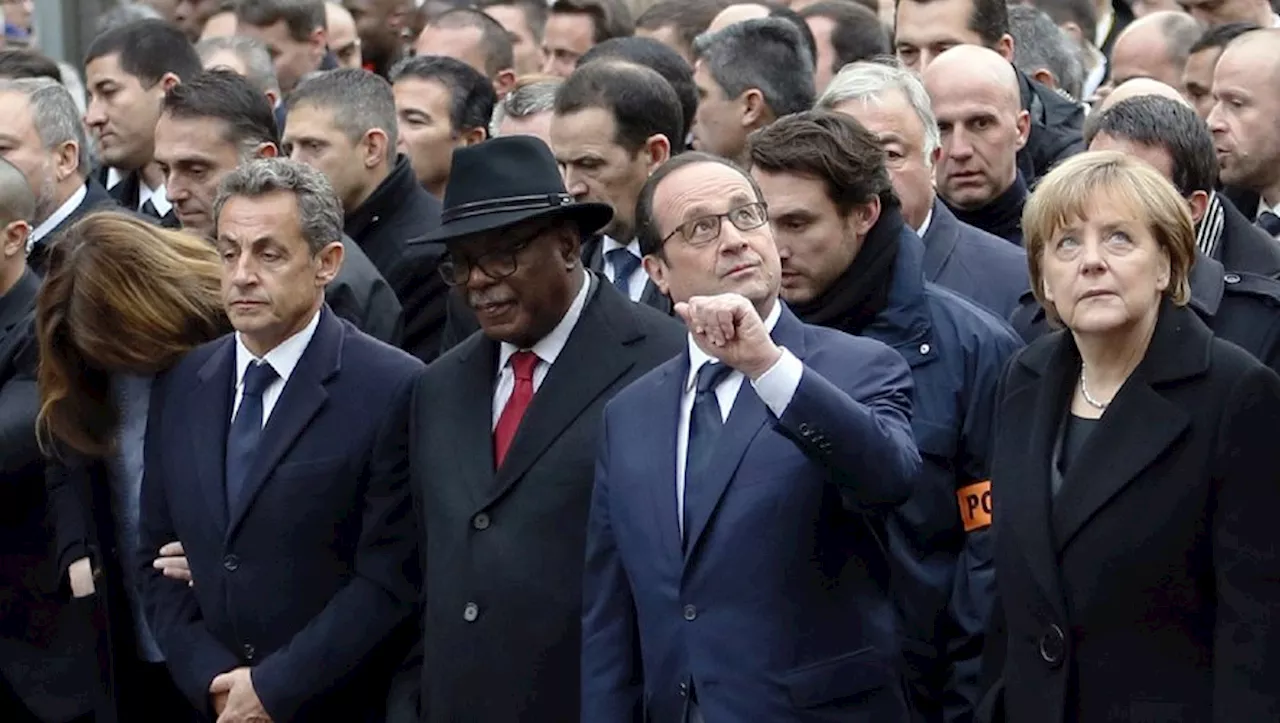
1088,398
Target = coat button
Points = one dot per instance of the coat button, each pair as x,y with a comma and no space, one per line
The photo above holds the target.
690,612
684,689
249,652
471,612
925,348
230,563
1231,278
1053,646
805,429
480,521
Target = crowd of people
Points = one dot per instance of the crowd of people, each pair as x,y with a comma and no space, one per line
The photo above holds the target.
875,361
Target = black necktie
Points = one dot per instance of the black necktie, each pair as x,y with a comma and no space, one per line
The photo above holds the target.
624,264
246,430
705,423
150,209
1270,223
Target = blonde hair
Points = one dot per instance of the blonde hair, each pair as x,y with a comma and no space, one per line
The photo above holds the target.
1075,187
120,296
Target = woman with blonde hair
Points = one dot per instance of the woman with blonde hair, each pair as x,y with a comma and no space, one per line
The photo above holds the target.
121,301
1135,476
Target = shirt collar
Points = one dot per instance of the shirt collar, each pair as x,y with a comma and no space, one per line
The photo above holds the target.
610,244
549,347
1103,29
157,196
1264,206
284,358
57,217
698,357
924,227
114,177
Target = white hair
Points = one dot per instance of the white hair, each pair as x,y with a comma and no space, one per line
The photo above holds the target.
868,80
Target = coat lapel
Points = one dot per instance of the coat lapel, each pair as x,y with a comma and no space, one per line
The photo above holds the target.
939,240
591,361
470,404
303,397
213,395
657,432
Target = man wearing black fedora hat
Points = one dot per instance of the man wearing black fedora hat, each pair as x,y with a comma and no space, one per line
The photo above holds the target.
504,430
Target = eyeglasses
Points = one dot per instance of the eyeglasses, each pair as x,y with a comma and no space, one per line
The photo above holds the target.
497,265
703,230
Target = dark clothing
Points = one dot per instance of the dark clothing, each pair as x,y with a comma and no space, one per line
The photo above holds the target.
778,606
593,257
859,295
1241,308
46,642
360,295
1002,216
1243,246
1148,589
1123,15
96,199
126,193
308,577
957,352
1057,129
504,548
973,263
425,291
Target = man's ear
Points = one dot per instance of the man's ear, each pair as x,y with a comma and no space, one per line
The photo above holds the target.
1044,76
13,239
66,161
656,150
1198,201
1004,46
1024,128
864,217
755,111
168,81
267,150
504,83
376,147
472,136
330,258
656,267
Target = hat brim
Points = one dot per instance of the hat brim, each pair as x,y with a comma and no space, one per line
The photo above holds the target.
590,217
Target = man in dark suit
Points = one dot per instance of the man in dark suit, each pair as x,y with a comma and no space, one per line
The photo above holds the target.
46,645
263,458
1244,133
44,137
208,127
128,70
891,102
733,568
503,431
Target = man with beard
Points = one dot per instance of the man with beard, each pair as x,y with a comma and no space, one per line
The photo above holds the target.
850,262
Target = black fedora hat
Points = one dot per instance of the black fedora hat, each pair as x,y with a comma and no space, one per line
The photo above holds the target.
505,181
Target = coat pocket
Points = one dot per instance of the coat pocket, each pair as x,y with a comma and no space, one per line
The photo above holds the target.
843,676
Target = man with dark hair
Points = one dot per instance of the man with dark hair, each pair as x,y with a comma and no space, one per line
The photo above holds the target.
191,15
344,123
614,124
925,28
1043,51
676,23
17,63
217,122
1202,58
1079,20
442,104
1154,46
850,262
574,26
741,12
381,24
474,38
293,31
127,72
844,32
524,21
748,75
660,58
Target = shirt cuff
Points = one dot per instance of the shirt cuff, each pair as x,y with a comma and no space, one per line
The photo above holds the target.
777,386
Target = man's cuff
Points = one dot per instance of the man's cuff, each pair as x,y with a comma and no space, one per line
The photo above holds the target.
777,386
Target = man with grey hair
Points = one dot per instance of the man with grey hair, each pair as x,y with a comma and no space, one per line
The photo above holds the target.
748,75
124,14
528,109
298,524
891,102
44,137
244,56
1043,51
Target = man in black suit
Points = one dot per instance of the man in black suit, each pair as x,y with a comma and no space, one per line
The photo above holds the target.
127,71
264,455
208,127
46,645
504,431
614,124
344,124
44,137
1243,125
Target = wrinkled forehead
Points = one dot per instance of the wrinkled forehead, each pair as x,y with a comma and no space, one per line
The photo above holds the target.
700,189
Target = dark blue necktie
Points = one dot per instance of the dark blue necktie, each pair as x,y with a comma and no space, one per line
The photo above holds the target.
624,265
705,423
1270,223
149,209
246,429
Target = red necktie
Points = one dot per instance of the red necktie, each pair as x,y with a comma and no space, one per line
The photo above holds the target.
522,364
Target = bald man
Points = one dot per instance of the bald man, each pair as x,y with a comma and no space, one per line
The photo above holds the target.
1244,127
1137,87
737,14
344,42
1155,46
975,97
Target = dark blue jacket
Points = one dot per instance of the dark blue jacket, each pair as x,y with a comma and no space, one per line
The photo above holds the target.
974,263
957,351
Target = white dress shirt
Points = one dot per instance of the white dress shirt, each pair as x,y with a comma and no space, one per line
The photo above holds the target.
639,277
64,211
157,196
284,359
547,350
776,388
924,227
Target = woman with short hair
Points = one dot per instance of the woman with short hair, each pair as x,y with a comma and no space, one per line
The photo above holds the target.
1136,476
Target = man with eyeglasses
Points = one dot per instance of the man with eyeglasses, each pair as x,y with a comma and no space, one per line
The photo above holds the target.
733,568
504,432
